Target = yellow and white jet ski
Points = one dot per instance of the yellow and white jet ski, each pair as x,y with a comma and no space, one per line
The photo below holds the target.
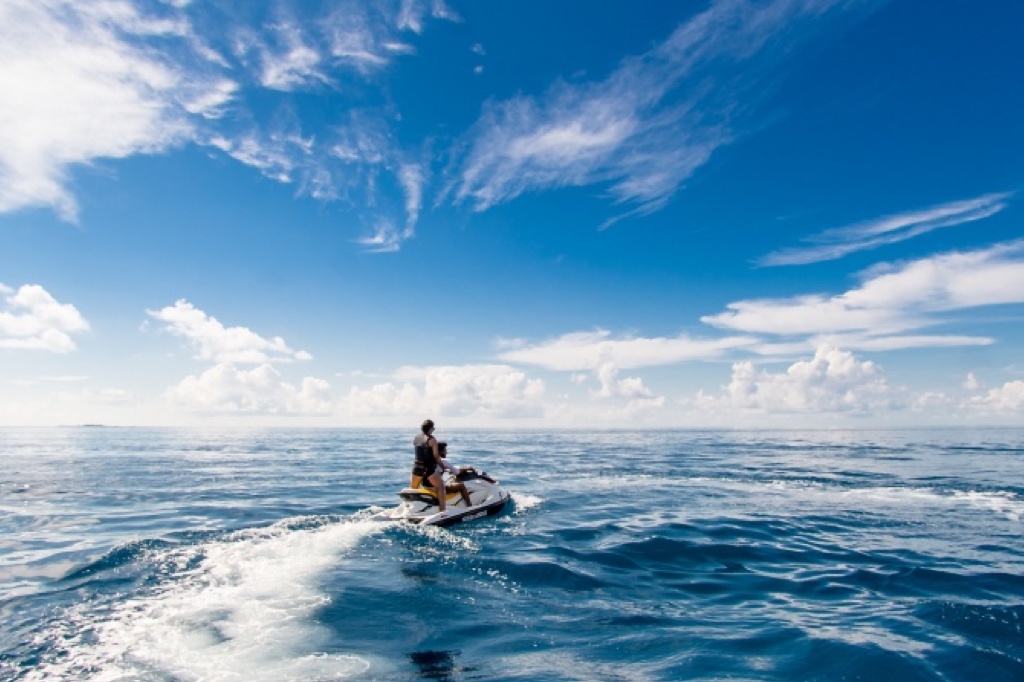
419,505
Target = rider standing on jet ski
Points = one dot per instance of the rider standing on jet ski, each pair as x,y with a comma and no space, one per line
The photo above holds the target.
428,464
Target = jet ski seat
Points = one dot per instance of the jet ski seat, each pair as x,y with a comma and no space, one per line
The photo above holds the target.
428,495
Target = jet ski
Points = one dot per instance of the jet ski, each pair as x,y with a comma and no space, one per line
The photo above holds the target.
419,505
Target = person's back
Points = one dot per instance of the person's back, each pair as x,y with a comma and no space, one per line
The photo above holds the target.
421,448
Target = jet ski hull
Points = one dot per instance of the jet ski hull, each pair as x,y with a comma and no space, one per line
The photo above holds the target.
419,505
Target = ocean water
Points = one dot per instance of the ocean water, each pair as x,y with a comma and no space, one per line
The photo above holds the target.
136,554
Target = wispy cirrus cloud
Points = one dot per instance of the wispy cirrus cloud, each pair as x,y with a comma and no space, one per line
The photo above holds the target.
892,300
647,127
386,237
413,13
83,82
590,351
411,177
838,242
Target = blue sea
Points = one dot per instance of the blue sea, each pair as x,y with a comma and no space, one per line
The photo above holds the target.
252,555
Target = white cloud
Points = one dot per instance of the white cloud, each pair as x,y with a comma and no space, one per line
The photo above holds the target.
1006,398
83,81
386,238
932,401
892,298
74,90
971,382
210,103
833,381
213,341
411,177
638,397
225,389
274,155
386,399
451,391
644,129
839,242
588,351
31,319
410,16
288,62
488,389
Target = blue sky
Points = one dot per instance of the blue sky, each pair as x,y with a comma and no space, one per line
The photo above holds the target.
574,214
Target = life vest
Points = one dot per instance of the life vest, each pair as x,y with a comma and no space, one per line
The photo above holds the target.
425,457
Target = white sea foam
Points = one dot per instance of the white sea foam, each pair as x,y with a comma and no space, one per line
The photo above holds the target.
237,609
1007,504
1003,503
524,501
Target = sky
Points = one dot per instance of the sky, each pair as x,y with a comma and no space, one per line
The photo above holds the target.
512,214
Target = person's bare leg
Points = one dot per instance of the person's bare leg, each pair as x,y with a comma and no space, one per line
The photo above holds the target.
438,482
461,489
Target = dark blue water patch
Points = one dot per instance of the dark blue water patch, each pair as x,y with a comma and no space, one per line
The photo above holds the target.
761,530
920,581
970,663
613,561
828,659
703,556
991,626
535,573
1011,547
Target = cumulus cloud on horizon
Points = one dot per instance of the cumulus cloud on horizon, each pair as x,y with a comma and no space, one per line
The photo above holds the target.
832,381
1008,398
225,389
497,391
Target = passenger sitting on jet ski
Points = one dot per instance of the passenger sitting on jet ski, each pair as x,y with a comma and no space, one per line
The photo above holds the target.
454,486
442,449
